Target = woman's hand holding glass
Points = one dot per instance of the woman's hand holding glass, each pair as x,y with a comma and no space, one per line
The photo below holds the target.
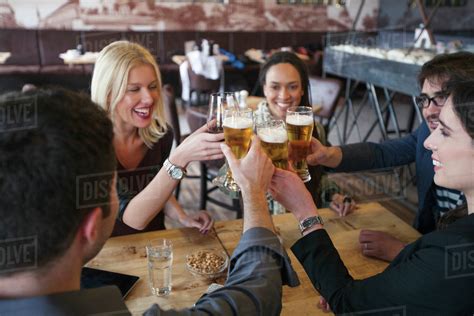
199,146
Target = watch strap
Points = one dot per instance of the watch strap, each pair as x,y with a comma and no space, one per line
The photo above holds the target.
169,166
309,222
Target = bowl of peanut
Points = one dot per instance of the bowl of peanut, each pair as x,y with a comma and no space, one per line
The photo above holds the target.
207,263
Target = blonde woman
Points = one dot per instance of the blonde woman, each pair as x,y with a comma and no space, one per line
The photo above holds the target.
127,83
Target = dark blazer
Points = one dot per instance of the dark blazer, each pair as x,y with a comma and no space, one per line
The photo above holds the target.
399,152
99,301
431,276
316,172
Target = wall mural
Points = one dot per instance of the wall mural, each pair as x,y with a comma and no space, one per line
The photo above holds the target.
143,15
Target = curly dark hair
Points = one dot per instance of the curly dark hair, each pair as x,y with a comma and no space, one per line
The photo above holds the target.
40,164
295,61
462,93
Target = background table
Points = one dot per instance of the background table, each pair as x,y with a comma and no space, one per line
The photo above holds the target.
126,254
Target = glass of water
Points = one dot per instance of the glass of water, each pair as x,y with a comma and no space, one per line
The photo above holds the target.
160,261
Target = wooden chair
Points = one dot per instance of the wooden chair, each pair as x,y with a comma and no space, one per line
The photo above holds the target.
197,117
171,114
200,88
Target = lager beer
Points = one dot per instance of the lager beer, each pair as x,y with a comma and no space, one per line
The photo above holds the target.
299,126
274,141
238,129
237,134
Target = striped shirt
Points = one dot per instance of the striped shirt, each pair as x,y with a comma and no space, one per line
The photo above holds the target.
448,199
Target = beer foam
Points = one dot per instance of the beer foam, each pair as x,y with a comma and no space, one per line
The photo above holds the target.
238,122
272,135
300,120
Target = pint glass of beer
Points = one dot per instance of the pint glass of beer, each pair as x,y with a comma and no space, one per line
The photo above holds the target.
274,141
299,126
238,128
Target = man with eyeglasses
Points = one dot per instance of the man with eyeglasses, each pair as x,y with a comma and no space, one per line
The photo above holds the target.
433,201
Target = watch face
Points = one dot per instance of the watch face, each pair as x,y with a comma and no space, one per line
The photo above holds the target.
176,173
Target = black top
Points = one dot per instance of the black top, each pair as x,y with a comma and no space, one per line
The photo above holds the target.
132,182
431,276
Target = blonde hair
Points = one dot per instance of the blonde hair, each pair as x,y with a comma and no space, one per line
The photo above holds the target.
109,84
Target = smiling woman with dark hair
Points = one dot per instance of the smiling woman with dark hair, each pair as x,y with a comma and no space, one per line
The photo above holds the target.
462,95
285,82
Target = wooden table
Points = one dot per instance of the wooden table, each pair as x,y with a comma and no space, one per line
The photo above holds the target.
4,56
126,254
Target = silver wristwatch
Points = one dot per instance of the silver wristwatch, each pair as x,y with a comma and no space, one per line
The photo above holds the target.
175,172
310,222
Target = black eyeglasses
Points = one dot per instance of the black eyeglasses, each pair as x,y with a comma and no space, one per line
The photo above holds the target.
439,99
